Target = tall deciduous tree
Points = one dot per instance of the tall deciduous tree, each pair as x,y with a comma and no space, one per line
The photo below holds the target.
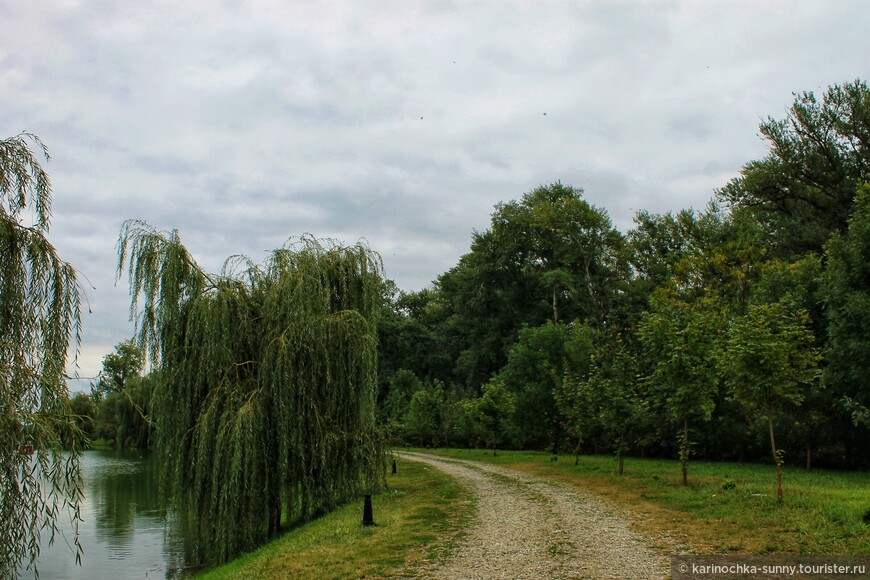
39,319
680,340
574,400
618,405
768,357
269,376
569,245
125,363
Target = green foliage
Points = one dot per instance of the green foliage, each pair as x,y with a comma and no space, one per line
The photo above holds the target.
575,400
847,288
658,303
403,386
123,418
436,415
803,190
768,356
681,340
614,392
266,403
549,256
126,362
567,244
39,320
533,374
424,419
491,414
84,410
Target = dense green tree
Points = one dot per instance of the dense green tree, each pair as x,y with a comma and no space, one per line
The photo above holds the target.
803,190
485,299
575,400
659,241
491,414
620,410
569,246
424,419
436,415
548,256
846,283
767,356
39,320
266,403
797,283
411,338
85,411
118,367
403,385
680,339
533,375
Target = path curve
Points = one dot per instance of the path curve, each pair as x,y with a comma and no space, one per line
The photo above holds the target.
526,527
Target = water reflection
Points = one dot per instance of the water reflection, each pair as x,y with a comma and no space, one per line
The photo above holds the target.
123,532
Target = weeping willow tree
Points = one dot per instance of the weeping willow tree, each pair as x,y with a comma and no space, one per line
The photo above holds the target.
39,318
268,406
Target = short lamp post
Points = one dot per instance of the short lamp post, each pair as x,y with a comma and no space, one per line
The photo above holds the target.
368,518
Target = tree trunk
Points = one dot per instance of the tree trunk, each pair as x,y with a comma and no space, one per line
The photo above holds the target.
684,452
621,463
776,457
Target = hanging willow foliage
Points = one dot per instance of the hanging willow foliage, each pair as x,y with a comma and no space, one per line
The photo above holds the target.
268,406
39,316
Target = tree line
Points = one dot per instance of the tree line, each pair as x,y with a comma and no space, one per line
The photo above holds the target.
117,412
736,332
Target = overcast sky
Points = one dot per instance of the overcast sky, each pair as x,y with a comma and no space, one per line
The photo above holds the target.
242,123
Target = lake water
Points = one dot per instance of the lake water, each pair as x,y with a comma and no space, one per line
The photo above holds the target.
123,533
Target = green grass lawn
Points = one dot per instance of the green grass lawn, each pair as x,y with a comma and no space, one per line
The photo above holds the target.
418,519
727,507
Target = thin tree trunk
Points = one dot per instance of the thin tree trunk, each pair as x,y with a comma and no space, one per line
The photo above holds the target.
776,458
621,463
684,452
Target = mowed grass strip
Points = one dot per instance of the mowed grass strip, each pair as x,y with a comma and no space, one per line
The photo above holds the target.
727,507
419,518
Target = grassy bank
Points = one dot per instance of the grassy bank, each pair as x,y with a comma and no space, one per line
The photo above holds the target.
417,519
727,508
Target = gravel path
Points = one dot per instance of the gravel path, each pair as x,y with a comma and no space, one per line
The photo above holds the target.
528,528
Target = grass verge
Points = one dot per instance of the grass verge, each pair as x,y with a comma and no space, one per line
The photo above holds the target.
418,519
727,507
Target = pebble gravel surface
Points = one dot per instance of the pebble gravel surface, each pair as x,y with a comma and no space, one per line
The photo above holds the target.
526,527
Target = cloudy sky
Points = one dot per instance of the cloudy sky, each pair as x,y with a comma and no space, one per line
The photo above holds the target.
243,123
